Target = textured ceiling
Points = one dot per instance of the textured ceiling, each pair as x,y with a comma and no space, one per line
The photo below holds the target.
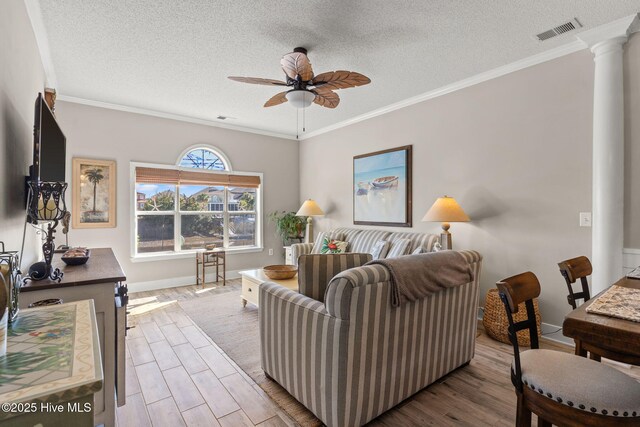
174,56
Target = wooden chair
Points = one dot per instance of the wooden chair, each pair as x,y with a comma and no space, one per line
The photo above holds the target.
560,388
572,270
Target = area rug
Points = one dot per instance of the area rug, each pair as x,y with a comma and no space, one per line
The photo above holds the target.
235,330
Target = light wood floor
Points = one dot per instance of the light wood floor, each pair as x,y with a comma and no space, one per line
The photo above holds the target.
178,376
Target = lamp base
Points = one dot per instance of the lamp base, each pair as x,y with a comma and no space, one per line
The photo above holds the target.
43,269
308,234
445,237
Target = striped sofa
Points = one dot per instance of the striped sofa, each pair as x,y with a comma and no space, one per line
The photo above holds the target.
362,240
355,356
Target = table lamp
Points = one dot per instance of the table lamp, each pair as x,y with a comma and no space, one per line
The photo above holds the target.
446,210
309,209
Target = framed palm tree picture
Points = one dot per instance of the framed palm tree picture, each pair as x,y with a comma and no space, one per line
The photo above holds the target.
94,193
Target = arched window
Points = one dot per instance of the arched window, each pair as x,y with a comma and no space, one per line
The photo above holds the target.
177,210
204,158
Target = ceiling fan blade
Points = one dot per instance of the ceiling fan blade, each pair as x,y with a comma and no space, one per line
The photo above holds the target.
326,98
276,99
257,81
297,64
340,79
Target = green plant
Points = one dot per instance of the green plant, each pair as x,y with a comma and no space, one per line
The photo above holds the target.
288,225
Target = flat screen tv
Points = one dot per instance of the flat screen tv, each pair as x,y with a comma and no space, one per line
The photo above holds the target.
49,145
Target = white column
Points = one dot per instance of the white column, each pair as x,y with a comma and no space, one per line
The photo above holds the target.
607,44
608,163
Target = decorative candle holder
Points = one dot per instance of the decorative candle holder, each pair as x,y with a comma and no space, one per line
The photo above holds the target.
46,204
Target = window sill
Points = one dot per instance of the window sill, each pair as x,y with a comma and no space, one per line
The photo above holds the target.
189,254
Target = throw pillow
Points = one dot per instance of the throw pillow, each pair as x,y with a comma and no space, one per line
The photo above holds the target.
418,250
380,249
330,246
399,248
332,235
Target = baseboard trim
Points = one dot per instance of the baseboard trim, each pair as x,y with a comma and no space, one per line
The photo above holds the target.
173,282
630,259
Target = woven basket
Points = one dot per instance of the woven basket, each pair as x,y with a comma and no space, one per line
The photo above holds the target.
495,319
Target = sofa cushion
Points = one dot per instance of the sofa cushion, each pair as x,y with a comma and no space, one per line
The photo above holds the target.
417,251
380,249
317,245
399,247
348,233
363,242
424,240
331,246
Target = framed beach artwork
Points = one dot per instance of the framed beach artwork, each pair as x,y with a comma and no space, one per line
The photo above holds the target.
94,193
382,188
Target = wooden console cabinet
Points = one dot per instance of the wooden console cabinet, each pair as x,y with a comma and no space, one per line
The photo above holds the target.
94,280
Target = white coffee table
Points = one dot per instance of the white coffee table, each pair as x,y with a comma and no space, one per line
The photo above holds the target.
252,279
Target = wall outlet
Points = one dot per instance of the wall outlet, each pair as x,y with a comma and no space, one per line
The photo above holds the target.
270,251
585,219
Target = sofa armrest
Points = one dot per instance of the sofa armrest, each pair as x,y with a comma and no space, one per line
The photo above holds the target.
298,249
272,292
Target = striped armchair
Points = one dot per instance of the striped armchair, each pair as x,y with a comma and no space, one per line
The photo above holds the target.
355,356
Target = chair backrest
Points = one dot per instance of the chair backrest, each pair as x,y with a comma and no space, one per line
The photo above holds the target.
315,271
572,270
521,288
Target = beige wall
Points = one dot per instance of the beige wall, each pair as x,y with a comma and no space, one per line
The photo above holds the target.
21,78
514,151
124,137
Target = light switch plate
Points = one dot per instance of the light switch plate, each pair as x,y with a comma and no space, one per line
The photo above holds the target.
270,251
585,219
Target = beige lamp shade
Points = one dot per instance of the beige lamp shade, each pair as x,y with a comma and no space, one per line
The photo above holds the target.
446,209
310,208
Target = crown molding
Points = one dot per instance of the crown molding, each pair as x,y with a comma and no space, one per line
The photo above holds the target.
618,29
582,41
548,55
37,24
172,116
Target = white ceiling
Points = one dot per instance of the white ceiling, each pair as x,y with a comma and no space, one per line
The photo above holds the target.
174,56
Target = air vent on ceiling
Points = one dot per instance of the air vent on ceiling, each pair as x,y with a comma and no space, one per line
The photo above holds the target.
560,29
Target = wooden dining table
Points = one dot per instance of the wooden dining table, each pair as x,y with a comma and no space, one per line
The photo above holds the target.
604,336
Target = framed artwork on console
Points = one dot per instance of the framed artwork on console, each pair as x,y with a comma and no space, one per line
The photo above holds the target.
94,193
382,187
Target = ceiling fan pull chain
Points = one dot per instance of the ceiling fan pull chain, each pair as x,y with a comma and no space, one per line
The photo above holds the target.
304,122
297,124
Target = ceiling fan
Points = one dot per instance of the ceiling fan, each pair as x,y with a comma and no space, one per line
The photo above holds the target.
307,88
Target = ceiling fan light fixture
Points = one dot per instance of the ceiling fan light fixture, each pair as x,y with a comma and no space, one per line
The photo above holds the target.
300,98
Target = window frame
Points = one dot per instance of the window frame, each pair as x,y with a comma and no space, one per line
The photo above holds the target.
188,253
214,150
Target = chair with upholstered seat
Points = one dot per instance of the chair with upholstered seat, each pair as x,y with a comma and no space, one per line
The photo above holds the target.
561,388
572,270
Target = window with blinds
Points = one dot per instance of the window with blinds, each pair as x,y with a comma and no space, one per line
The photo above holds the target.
180,209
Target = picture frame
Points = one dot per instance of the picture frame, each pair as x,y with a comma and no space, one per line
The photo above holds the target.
382,187
94,193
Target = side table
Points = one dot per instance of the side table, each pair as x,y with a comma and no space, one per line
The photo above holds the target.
211,258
